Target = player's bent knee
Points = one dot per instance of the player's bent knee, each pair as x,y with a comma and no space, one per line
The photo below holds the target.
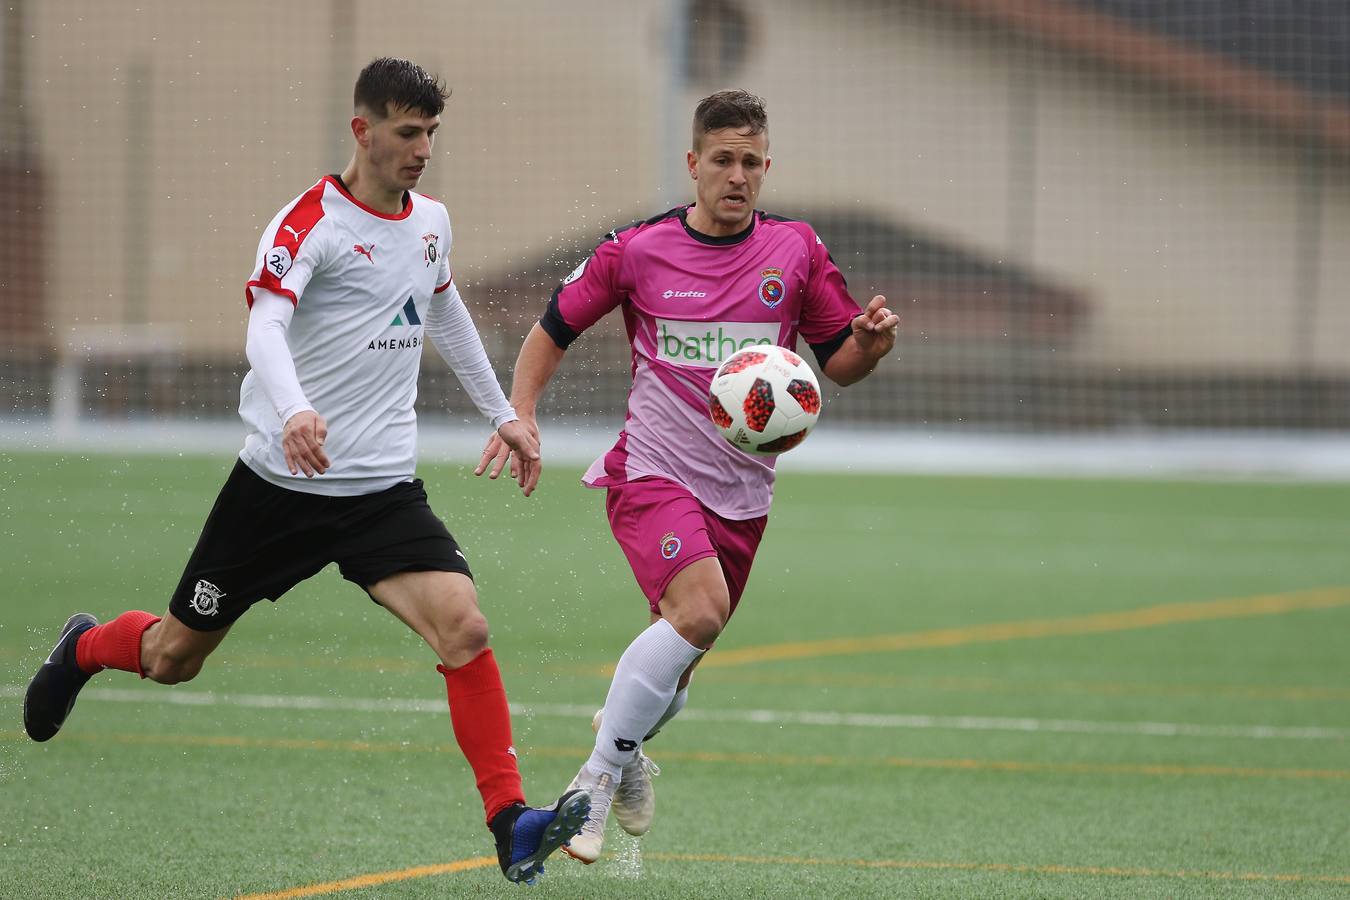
472,634
703,629
700,624
459,639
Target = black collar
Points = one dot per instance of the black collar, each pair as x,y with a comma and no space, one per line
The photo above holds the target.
723,241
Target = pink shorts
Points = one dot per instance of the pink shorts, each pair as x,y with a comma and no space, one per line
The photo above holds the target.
662,528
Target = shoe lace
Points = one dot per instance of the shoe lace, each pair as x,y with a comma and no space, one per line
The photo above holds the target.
647,764
602,795
633,784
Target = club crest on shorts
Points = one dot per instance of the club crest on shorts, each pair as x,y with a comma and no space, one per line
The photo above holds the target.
772,290
206,598
670,545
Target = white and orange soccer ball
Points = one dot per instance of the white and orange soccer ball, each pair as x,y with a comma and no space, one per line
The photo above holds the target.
765,399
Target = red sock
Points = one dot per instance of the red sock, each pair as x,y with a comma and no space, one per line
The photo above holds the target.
115,644
482,724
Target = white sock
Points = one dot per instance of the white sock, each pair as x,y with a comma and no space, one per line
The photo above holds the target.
640,694
677,704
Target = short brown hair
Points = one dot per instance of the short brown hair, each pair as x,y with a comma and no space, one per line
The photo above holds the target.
399,83
737,109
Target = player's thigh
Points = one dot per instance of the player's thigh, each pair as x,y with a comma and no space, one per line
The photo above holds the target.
441,607
397,549
427,600
697,602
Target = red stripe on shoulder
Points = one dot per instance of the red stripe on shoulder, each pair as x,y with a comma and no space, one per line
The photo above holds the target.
296,226
302,218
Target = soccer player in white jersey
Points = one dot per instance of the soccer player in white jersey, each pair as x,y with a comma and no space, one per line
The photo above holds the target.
694,284
351,278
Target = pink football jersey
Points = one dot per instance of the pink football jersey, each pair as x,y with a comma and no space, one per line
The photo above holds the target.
689,301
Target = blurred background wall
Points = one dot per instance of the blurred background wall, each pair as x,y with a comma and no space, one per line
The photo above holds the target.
1091,214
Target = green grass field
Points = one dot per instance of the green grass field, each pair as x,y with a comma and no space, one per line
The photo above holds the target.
956,679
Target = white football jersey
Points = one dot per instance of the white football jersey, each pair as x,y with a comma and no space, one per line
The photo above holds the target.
361,282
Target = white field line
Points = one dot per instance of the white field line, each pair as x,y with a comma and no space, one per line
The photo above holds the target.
754,716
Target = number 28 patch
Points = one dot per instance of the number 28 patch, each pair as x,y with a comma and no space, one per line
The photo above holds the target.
278,261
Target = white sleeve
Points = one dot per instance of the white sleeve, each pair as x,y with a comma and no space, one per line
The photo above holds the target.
451,329
270,355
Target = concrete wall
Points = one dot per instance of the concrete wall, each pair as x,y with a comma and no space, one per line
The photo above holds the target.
1180,223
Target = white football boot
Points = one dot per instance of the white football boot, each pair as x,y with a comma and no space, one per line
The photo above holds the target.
634,799
587,844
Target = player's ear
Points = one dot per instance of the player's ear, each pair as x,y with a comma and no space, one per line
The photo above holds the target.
768,161
691,160
361,130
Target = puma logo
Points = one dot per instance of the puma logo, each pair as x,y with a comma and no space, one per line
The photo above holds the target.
364,251
295,234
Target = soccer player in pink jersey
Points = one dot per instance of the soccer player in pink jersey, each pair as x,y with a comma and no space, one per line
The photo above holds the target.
352,278
694,285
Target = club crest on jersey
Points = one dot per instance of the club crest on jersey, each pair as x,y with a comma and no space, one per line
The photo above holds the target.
670,545
206,598
431,252
772,290
278,261
365,251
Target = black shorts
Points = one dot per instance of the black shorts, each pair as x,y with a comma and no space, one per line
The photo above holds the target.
261,540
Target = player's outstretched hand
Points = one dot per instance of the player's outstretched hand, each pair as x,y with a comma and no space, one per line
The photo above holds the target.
518,442
302,440
875,329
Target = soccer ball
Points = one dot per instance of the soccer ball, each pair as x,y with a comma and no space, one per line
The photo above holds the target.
764,399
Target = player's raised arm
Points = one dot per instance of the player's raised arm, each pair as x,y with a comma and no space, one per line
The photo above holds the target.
872,336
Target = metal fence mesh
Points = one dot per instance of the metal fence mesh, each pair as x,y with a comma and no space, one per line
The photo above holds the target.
1097,214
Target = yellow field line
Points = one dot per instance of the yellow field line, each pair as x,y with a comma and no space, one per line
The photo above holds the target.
1097,623
745,759
378,878
375,878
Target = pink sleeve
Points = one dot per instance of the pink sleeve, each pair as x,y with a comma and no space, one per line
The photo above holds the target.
587,294
828,308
